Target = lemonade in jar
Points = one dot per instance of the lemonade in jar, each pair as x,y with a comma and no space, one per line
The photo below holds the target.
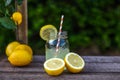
50,47
49,34
57,44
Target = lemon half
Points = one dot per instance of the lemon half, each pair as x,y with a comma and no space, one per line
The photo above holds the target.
54,66
48,32
74,62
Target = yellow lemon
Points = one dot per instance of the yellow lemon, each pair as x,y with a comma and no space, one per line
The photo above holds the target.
17,17
24,47
48,31
10,47
74,62
54,66
18,22
20,58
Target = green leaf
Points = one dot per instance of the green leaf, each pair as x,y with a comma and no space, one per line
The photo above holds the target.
7,23
8,2
2,8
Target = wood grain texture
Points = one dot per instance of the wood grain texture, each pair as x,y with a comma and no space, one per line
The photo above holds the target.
96,68
64,76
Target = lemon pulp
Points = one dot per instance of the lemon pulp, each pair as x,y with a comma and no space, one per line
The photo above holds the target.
54,66
74,62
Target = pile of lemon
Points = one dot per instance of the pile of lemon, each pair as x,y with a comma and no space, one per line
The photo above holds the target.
19,54
55,66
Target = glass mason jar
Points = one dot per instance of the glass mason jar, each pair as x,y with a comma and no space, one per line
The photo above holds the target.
50,47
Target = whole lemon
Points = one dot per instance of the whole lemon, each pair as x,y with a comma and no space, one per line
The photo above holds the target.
20,58
24,47
10,47
17,17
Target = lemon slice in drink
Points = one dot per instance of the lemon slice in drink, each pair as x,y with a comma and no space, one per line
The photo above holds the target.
54,66
48,32
74,63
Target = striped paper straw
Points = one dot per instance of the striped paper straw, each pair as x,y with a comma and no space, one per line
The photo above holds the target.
60,30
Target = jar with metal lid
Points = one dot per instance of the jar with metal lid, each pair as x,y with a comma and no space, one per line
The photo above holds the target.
63,49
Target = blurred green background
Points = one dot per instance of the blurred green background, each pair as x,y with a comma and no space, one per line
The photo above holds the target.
93,25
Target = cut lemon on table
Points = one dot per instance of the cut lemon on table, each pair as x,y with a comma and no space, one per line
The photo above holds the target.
48,31
54,66
74,63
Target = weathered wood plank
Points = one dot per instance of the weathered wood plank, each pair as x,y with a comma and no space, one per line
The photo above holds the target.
64,76
99,64
38,67
90,59
96,68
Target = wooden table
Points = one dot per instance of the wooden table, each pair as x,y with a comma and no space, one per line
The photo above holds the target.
96,68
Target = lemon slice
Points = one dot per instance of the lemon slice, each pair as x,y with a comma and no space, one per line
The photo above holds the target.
48,32
54,66
74,63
